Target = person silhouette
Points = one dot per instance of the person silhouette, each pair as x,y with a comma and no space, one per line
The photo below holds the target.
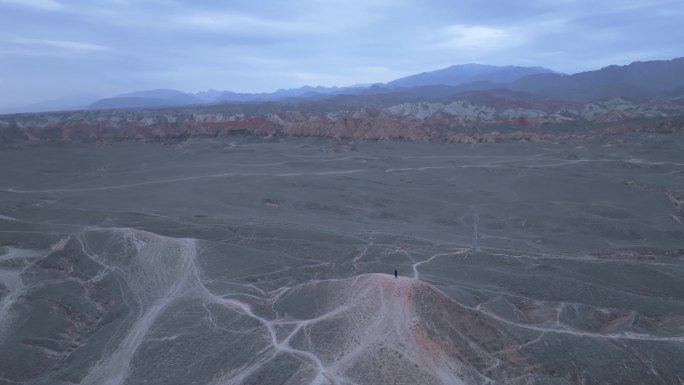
395,273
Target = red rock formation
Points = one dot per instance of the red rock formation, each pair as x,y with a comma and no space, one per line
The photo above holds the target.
460,121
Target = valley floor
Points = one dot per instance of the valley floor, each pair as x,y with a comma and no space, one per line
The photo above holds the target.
270,261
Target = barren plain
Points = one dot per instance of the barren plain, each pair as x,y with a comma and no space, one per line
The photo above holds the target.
246,260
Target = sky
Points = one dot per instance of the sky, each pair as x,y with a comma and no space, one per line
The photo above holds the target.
55,48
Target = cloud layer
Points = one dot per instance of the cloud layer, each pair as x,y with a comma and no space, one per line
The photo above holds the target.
51,48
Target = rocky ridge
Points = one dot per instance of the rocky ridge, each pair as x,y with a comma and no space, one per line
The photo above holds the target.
461,120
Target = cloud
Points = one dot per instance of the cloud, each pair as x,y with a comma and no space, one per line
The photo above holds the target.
312,76
236,22
476,43
61,44
48,5
473,36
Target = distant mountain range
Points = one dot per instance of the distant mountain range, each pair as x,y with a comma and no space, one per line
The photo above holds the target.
662,79
147,99
70,102
451,76
467,73
306,92
639,80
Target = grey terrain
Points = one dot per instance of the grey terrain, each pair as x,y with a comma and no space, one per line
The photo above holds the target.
246,260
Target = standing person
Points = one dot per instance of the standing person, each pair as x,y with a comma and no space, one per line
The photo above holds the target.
395,273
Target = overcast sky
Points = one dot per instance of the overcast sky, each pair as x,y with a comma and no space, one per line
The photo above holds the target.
53,48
